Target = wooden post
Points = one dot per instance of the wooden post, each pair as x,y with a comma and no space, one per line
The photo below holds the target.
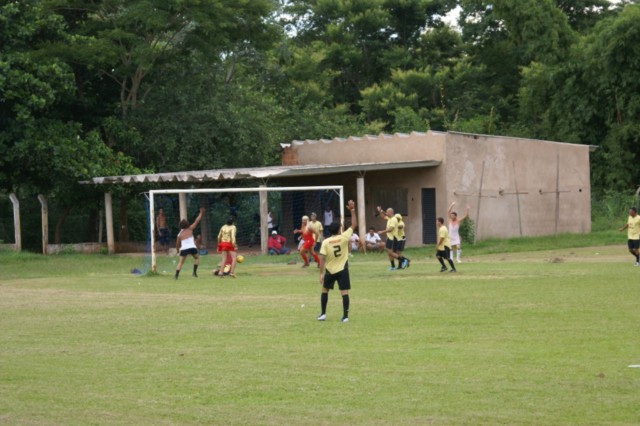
45,223
360,204
16,221
182,198
264,213
108,211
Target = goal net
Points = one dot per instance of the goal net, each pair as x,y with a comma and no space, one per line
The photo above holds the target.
257,212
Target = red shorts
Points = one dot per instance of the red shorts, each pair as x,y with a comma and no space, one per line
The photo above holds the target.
225,247
307,244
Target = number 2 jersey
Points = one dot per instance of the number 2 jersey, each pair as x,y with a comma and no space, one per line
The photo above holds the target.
335,250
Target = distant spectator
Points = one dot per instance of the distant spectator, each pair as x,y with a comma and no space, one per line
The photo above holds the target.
354,243
327,219
277,244
373,241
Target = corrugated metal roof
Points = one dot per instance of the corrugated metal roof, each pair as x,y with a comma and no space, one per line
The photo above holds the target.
257,173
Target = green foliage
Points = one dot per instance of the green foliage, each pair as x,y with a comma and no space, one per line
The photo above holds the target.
468,230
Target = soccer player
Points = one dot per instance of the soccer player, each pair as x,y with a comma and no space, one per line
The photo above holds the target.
443,246
334,264
227,245
402,239
392,238
186,245
633,233
308,241
454,231
317,226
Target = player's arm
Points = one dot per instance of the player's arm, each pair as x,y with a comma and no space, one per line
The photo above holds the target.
626,225
197,221
233,237
450,209
466,215
351,206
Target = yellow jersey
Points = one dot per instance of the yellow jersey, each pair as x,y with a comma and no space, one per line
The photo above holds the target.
335,250
392,222
400,227
443,237
227,234
633,229
316,226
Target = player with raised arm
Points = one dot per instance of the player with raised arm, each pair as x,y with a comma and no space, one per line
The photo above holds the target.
186,245
334,264
454,231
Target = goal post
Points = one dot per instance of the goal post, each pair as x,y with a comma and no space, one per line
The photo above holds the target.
260,205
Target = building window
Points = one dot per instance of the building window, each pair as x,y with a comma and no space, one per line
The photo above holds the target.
395,198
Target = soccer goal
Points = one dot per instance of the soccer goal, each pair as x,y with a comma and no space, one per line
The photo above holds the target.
257,212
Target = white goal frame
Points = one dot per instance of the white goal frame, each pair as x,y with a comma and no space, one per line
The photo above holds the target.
262,190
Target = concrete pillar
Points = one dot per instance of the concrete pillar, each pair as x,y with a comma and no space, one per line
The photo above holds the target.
360,205
108,212
182,199
264,212
45,223
16,222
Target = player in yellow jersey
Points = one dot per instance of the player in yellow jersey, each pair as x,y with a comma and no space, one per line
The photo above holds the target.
228,246
405,262
393,240
633,233
334,265
443,246
317,226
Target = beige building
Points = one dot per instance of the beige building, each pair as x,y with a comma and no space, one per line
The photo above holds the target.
512,186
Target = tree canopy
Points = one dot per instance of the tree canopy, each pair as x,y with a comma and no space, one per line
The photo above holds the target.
122,86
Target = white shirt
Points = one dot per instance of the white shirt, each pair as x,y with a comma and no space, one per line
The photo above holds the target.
187,243
373,239
328,218
354,241
454,233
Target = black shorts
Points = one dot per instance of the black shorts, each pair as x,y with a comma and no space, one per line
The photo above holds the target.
392,244
164,236
400,244
186,252
633,244
444,253
341,277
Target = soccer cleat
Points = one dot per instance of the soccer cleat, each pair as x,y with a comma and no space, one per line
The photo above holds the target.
195,275
344,319
453,270
458,260
443,269
405,263
322,317
391,268
408,262
232,275
306,265
637,264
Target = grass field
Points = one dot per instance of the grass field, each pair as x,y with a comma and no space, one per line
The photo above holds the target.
517,337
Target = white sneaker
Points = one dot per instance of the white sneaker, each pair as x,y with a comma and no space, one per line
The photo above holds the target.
458,260
637,264
345,319
322,317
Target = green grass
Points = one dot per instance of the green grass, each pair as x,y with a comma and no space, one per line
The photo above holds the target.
515,338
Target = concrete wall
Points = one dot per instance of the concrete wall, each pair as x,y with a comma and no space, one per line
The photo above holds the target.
519,187
368,149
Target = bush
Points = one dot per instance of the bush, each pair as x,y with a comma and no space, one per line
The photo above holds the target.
468,230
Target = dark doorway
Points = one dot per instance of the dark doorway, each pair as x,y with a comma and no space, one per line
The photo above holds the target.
428,215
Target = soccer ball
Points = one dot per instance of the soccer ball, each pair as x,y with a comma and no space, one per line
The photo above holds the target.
240,258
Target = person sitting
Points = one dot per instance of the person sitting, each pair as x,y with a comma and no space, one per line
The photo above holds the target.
277,244
354,243
372,241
